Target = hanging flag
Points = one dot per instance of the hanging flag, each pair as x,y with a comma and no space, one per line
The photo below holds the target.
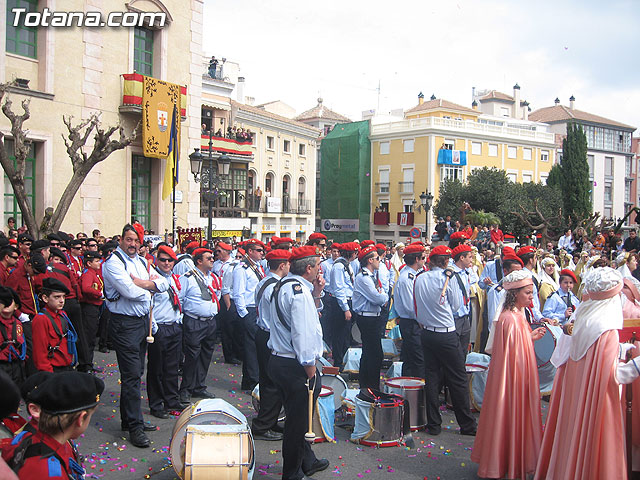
171,170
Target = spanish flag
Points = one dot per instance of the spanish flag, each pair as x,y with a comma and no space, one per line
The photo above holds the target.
171,171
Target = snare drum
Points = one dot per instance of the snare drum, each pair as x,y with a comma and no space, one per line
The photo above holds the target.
214,412
545,346
351,360
324,416
413,391
337,383
379,423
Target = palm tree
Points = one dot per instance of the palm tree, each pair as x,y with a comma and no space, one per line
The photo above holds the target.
480,217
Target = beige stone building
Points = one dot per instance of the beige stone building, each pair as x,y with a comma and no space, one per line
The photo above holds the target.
74,71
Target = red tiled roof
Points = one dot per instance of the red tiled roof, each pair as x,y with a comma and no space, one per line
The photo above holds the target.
560,113
439,103
320,111
496,95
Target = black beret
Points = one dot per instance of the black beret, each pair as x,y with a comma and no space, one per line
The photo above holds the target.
91,255
10,398
32,383
75,242
68,392
54,285
38,263
56,252
38,244
25,237
54,236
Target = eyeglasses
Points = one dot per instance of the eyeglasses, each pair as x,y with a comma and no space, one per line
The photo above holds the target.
208,257
76,248
166,259
323,245
15,258
54,244
258,249
218,251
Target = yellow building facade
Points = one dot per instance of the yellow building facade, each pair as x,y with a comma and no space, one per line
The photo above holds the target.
75,71
438,140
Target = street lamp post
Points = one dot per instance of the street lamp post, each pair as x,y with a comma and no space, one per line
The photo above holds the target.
224,163
426,199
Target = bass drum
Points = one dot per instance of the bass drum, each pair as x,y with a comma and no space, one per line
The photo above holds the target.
255,401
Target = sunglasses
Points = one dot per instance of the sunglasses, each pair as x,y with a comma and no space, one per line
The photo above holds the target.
15,258
166,259
259,249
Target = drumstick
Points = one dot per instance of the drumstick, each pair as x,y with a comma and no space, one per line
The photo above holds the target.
310,436
150,338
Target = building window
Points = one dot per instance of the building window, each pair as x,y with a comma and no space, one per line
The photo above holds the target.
143,51
383,185
628,167
22,40
270,143
286,146
544,156
449,145
141,190
608,192
476,148
11,208
407,206
543,178
608,166
627,191
608,212
384,206
406,186
526,153
384,148
505,111
526,178
590,162
493,150
408,145
450,172
512,152
302,151
513,177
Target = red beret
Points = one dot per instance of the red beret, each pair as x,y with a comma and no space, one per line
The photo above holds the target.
508,251
366,251
191,245
274,239
241,251
278,241
350,247
513,257
459,249
317,235
168,251
381,246
279,254
440,250
225,246
13,241
526,249
199,251
304,252
139,231
203,243
569,273
366,243
336,245
254,241
416,247
458,235
267,247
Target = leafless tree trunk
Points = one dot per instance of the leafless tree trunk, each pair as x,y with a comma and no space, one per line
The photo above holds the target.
545,225
75,141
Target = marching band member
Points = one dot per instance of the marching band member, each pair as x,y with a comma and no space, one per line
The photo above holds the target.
562,303
342,279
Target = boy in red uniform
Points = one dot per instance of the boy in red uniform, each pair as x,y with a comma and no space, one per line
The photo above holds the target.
53,334
92,294
68,402
13,347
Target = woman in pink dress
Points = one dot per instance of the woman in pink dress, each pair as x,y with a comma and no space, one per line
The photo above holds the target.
584,433
510,426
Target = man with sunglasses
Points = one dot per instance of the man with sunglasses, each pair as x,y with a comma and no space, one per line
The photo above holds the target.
75,256
24,245
245,279
8,260
200,306
231,339
165,351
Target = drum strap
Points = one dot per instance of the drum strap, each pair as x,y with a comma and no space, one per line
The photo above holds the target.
260,293
462,287
276,292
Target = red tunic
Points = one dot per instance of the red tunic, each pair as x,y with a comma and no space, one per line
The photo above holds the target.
20,281
4,274
75,264
92,287
37,467
61,272
7,327
45,336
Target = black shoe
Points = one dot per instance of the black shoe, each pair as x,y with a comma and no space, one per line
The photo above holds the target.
178,407
204,394
471,432
434,431
97,370
233,361
185,398
139,439
160,414
277,428
319,465
269,436
103,350
147,427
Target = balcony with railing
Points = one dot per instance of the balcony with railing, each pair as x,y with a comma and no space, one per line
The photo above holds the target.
382,188
405,187
297,206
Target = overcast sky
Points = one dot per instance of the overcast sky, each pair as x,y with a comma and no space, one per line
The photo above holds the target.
295,51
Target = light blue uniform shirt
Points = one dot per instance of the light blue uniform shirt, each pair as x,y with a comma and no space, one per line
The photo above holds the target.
134,301
367,296
184,266
403,293
467,276
163,311
489,271
244,287
495,294
304,341
191,296
341,284
327,265
219,267
556,305
355,266
264,312
385,278
227,277
427,289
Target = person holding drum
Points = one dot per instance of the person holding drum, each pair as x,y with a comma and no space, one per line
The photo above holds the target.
296,344
411,354
584,432
368,298
562,303
510,425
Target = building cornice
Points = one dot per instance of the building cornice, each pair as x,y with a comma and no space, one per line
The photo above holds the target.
264,121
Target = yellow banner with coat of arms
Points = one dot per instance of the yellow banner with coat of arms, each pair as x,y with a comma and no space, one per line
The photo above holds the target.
159,99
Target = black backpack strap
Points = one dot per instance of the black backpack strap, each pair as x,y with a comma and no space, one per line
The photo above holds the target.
499,271
276,292
269,281
62,272
462,287
60,334
536,282
27,448
347,267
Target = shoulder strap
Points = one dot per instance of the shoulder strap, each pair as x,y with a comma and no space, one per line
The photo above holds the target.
499,271
117,254
276,292
27,448
62,272
462,287
347,267
264,286
255,270
205,294
65,324
536,282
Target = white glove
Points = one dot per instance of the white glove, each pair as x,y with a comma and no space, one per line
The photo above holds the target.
624,348
24,318
627,372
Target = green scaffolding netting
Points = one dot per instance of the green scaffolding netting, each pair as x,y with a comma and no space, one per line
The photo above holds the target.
345,188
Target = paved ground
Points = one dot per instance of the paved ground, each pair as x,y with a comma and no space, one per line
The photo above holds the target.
110,456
